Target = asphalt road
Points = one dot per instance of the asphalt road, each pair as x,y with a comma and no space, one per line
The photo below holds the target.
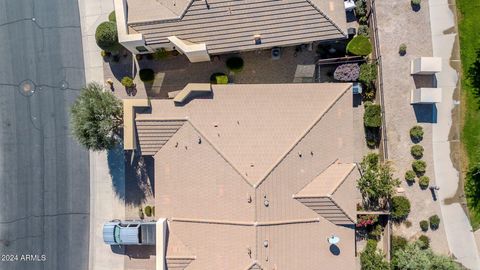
44,174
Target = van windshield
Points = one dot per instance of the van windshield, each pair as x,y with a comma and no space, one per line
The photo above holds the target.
116,234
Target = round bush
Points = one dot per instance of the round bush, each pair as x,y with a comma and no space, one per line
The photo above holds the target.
424,241
148,211
363,30
106,36
160,54
416,133
359,45
127,82
218,78
410,176
402,49
416,2
372,116
424,181
419,166
146,75
417,151
112,17
424,225
434,222
400,207
347,72
398,243
235,64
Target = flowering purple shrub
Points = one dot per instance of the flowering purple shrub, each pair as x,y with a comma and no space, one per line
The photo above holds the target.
347,72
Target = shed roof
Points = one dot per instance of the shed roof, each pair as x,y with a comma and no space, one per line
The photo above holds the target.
231,25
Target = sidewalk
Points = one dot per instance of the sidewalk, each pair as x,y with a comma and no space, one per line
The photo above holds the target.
104,204
461,240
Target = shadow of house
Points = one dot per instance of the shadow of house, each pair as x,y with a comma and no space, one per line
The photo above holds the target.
123,67
425,113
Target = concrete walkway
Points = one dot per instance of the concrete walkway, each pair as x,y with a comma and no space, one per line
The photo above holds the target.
104,203
460,237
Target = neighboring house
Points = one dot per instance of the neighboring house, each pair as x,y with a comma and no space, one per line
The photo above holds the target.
200,28
253,176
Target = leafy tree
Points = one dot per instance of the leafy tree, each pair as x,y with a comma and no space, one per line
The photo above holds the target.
413,257
106,36
368,74
472,186
376,183
398,242
474,74
371,258
96,116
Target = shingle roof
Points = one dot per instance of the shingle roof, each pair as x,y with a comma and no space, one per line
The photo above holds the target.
230,25
229,220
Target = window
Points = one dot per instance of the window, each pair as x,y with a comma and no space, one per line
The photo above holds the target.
141,49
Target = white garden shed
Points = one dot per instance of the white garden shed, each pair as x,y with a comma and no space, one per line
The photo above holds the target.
426,96
426,65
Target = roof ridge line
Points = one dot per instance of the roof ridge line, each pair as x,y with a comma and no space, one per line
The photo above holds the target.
326,17
302,136
295,195
247,223
221,154
344,177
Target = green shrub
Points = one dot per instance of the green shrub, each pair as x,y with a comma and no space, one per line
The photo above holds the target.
434,222
160,54
424,181
141,215
424,225
127,82
398,242
419,166
148,211
235,64
417,151
368,74
106,36
218,78
407,223
372,116
402,49
416,2
360,8
359,45
146,75
424,241
416,133
376,233
400,207
111,17
410,176
363,30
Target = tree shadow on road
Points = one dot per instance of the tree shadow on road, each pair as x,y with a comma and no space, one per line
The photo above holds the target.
132,175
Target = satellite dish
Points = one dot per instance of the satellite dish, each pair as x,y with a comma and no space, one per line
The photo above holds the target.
333,240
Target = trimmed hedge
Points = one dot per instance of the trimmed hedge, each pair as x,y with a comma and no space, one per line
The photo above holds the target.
424,181
368,74
106,36
359,45
146,75
434,222
400,207
424,225
235,64
372,116
416,151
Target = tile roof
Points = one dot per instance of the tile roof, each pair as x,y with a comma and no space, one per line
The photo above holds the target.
231,215
230,25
